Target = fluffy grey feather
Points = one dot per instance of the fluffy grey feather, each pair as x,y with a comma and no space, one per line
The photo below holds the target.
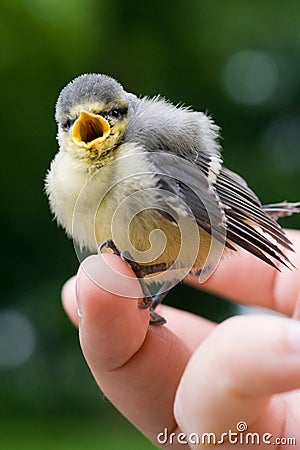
155,125
88,88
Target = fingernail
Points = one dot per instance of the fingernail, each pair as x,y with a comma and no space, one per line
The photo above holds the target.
89,267
66,287
78,299
180,414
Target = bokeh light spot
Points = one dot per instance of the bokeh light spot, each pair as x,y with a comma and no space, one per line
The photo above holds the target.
251,77
17,339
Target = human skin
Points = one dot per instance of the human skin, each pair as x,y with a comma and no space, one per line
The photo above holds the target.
192,375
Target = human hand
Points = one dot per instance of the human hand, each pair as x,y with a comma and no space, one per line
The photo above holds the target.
192,375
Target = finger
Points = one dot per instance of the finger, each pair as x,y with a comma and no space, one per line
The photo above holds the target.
296,313
190,328
69,302
105,313
137,367
242,277
233,374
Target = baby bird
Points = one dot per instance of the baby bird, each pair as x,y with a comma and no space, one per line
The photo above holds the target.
145,178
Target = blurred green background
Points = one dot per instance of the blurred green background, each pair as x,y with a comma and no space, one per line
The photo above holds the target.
237,60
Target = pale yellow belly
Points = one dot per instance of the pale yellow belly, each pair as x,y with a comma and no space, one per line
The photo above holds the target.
152,239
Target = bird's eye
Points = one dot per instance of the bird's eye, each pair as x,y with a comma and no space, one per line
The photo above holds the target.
67,124
118,113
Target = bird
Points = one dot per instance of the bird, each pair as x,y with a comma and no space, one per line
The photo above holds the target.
145,178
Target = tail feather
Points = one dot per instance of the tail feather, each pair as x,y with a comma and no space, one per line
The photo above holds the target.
283,209
260,234
251,225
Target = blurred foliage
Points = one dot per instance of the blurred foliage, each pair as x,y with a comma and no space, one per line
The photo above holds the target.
178,49
70,433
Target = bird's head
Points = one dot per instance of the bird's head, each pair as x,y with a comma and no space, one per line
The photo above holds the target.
92,116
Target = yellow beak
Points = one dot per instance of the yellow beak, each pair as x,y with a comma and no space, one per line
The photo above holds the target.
90,130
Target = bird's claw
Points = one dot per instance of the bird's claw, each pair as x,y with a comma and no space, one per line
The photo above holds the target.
109,243
148,301
156,319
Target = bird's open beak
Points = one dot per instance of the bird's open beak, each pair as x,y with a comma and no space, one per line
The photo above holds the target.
90,130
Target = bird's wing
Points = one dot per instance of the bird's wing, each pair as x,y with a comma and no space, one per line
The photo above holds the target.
220,199
192,198
192,189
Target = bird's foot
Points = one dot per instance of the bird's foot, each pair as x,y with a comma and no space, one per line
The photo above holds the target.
141,270
109,243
